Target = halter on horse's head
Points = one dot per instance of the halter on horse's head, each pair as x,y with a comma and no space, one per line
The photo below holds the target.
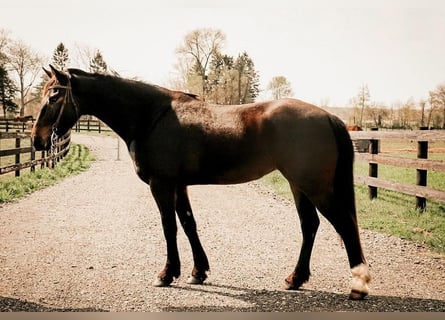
59,111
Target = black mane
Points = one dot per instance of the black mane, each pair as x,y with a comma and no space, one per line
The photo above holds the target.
169,92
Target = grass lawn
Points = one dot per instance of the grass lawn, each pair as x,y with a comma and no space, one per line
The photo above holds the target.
77,160
394,213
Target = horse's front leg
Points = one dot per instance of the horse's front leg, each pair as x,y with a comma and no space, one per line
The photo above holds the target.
188,223
164,194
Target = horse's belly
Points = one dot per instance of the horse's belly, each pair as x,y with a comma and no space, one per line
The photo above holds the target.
231,174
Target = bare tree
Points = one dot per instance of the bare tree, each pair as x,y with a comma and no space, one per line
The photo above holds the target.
198,49
361,101
4,40
377,112
406,114
179,79
83,55
437,101
422,104
26,65
280,87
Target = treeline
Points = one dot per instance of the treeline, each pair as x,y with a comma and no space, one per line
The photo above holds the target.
426,113
21,76
202,68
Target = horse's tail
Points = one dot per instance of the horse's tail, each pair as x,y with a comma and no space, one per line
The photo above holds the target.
346,216
344,175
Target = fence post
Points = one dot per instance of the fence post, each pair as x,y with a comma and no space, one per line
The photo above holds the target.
43,163
422,153
373,167
17,155
33,156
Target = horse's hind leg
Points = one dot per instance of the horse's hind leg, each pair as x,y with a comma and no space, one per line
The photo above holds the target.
309,224
342,215
184,211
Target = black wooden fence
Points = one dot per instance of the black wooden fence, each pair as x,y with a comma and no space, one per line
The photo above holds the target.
422,164
17,152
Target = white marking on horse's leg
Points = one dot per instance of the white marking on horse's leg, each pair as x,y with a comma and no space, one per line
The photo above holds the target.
360,280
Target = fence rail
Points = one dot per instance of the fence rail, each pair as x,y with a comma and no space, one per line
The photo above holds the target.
14,124
21,150
17,153
91,125
422,164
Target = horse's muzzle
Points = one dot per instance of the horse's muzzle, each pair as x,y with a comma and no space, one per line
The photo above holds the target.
40,144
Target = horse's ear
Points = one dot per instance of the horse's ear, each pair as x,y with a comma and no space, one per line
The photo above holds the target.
78,72
48,73
61,76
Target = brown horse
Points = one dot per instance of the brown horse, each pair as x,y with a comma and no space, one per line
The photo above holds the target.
354,128
176,140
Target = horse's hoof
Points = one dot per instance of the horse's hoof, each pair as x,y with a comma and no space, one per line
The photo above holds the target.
196,279
290,286
357,295
291,283
161,283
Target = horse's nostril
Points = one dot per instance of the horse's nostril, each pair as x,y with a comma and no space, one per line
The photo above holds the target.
38,144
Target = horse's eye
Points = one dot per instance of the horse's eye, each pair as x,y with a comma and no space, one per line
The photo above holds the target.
53,96
52,99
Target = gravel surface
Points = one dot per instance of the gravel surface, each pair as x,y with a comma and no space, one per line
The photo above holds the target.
94,243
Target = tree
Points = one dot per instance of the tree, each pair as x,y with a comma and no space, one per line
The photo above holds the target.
4,40
7,92
422,104
217,77
280,87
248,79
26,64
361,101
407,114
98,64
60,57
437,101
198,49
221,79
377,113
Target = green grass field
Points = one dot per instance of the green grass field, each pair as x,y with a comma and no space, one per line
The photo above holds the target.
77,160
394,213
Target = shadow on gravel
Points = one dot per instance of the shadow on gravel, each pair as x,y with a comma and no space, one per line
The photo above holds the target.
308,300
16,305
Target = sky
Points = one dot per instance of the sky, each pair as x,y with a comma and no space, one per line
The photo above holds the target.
326,49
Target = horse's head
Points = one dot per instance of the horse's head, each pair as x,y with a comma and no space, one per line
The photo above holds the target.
59,111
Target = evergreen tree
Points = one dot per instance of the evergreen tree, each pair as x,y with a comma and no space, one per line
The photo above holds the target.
221,78
98,64
60,57
7,92
248,79
230,81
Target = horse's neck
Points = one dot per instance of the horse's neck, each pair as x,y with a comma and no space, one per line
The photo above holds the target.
120,111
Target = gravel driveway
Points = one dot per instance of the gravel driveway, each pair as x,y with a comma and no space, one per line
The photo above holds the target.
94,243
